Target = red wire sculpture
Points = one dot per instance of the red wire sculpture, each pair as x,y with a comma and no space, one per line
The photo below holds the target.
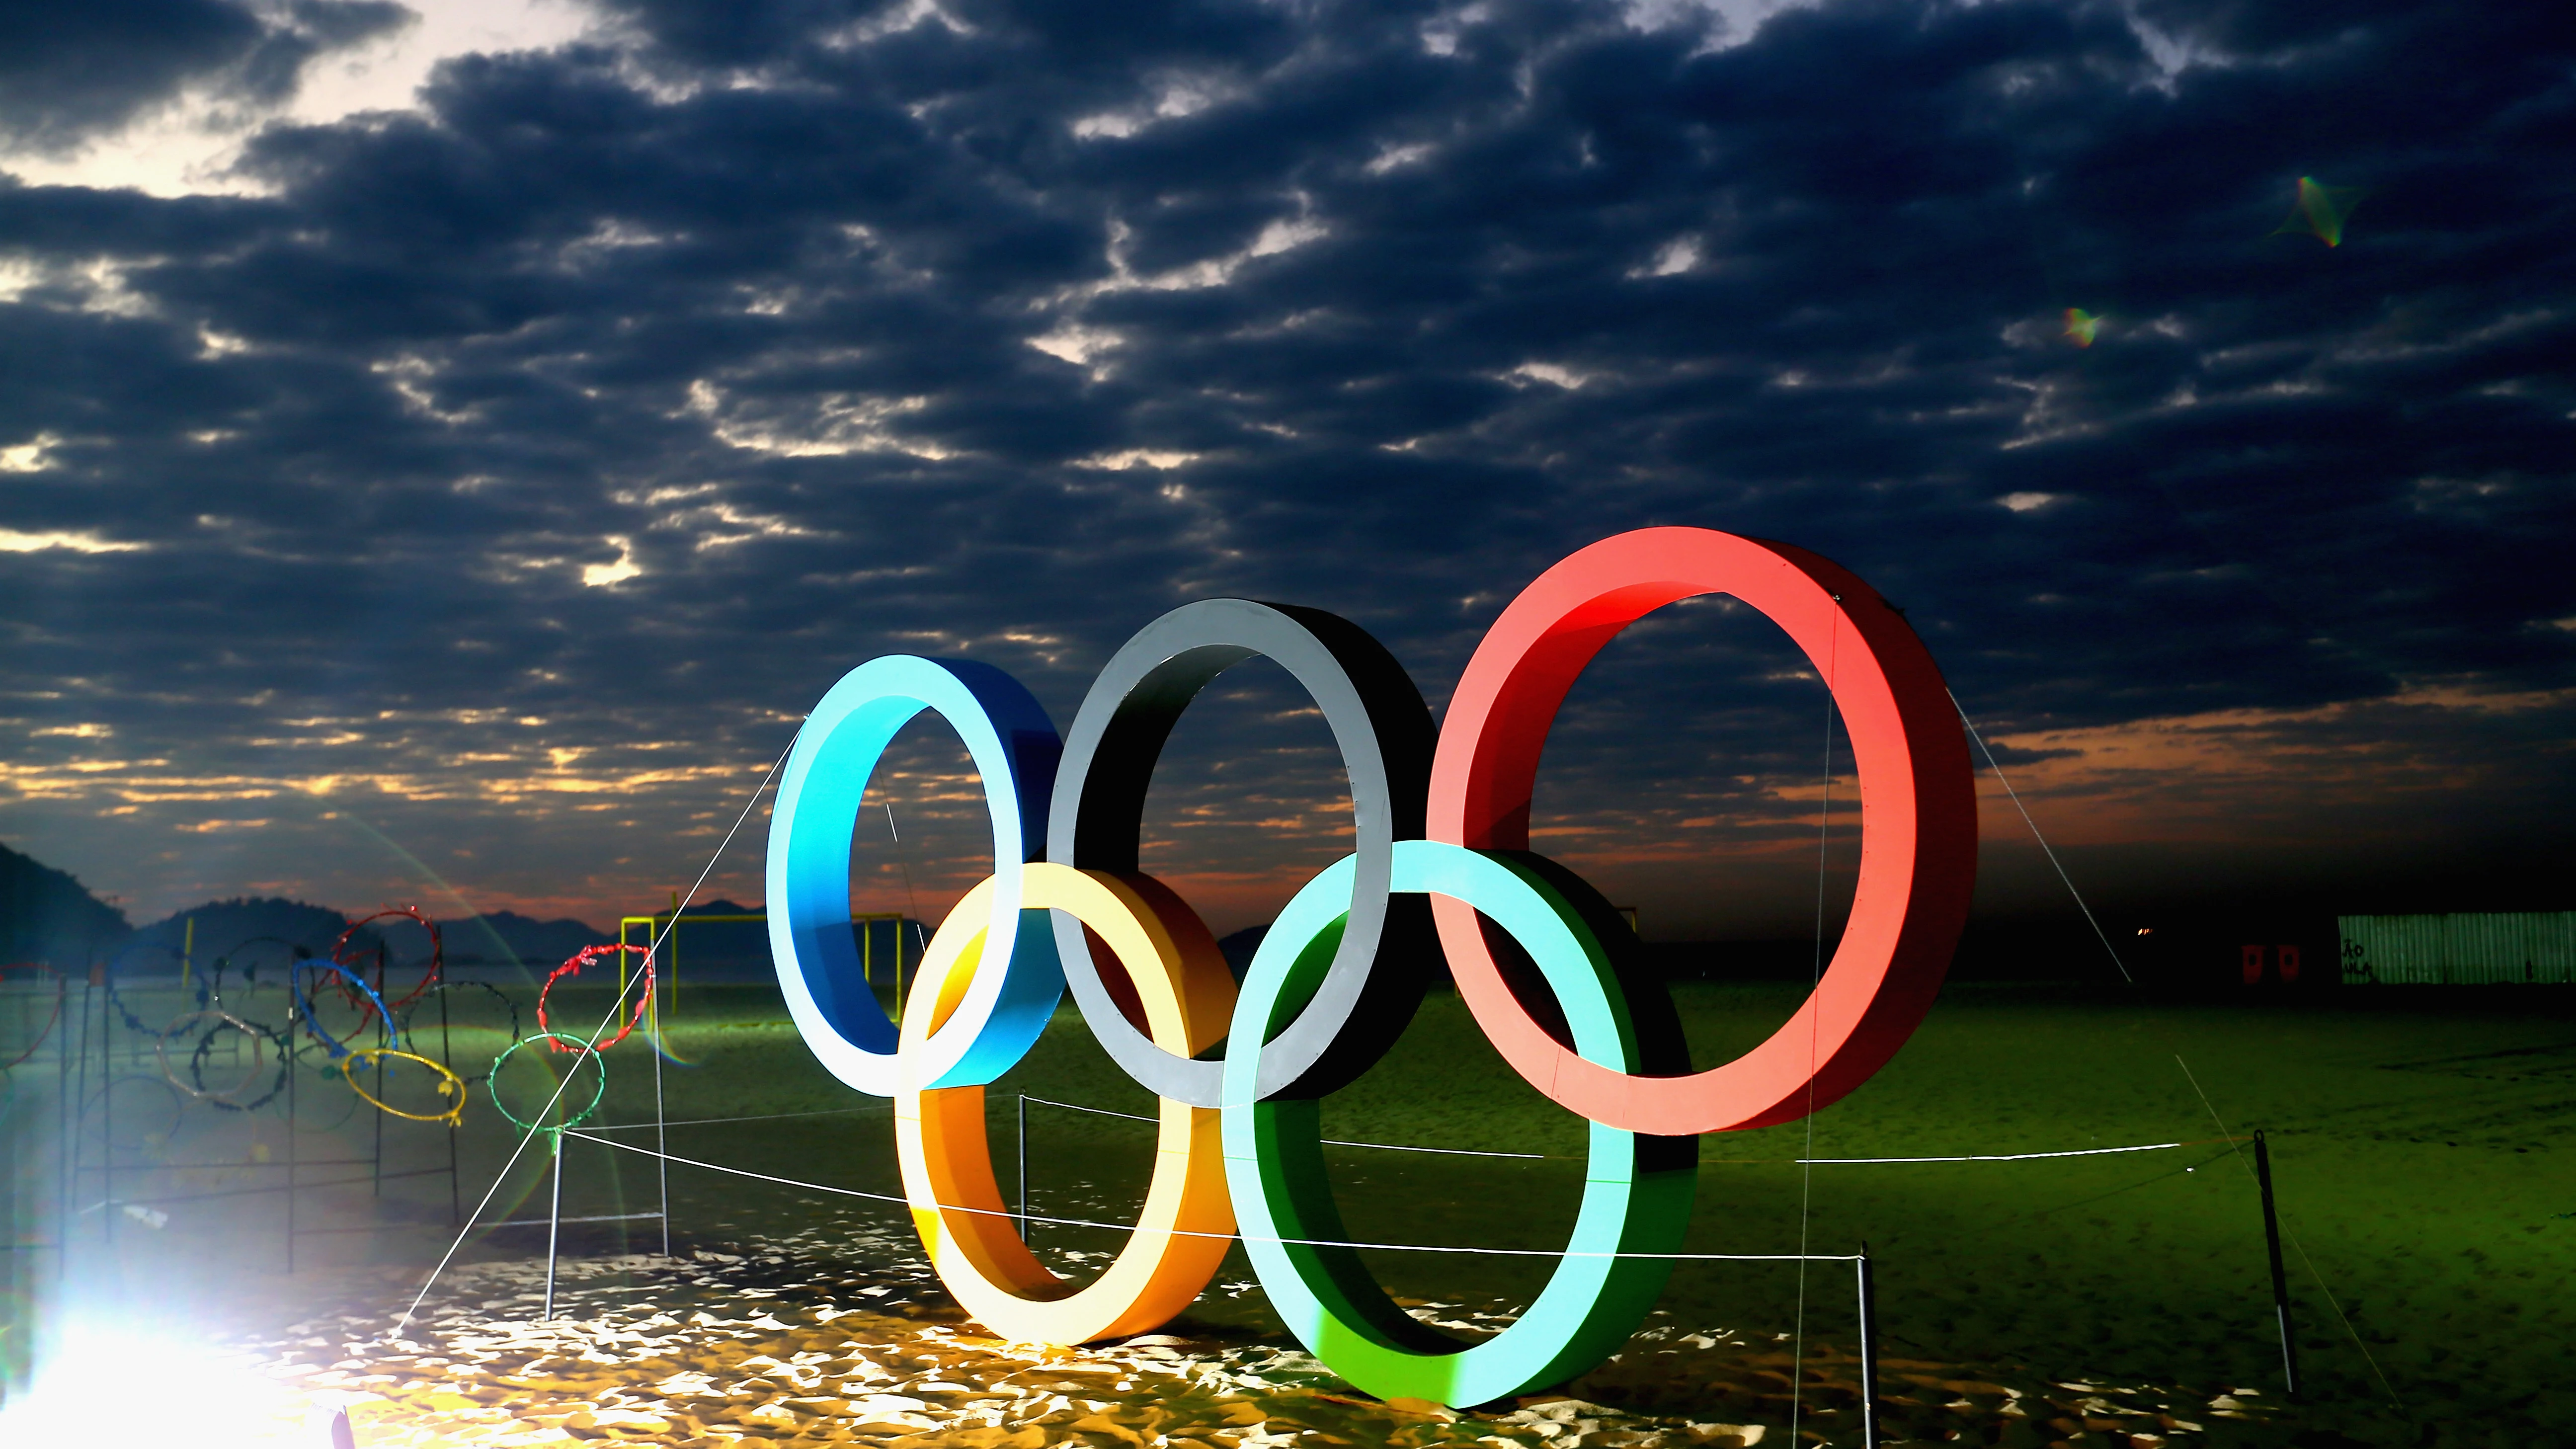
572,967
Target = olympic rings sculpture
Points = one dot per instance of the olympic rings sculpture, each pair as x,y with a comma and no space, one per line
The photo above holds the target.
1442,862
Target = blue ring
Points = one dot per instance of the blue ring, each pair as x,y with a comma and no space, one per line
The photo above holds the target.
304,1005
1015,748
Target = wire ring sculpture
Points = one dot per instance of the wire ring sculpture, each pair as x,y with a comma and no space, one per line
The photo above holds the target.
437,947
205,1048
561,1042
216,1019
444,987
572,967
338,1047
107,982
1441,820
451,1087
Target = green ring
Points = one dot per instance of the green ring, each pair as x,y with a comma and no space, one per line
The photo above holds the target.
1637,1191
493,1081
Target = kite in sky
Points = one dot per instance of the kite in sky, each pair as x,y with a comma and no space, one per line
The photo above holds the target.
2081,325
2320,211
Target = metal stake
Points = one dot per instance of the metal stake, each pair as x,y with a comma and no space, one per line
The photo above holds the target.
447,1059
661,1139
292,1132
554,1229
65,1124
1868,1353
106,1124
2280,1276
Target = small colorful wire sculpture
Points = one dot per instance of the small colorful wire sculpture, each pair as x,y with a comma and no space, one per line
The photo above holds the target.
451,1088
409,1017
196,1087
437,948
216,1019
572,967
558,1040
338,1046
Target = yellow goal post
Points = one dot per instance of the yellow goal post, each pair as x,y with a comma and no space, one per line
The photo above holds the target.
668,964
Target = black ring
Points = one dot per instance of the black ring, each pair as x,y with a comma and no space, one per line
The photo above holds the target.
1384,730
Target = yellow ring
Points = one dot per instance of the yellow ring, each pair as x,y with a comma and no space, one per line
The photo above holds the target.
1187,1221
453,1089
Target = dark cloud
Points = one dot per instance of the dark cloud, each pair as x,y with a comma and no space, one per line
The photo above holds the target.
69,72
510,476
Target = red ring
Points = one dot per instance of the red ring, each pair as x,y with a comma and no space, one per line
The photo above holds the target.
572,967
437,956
1918,817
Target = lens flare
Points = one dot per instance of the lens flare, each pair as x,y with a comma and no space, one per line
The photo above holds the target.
2320,211
85,1391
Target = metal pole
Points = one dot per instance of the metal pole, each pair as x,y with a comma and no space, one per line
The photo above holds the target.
383,1028
661,1141
1024,1167
2280,1276
64,1125
1868,1353
554,1229
293,1134
106,1122
447,1059
80,1087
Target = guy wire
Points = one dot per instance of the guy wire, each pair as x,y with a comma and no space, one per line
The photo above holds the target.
1806,1165
903,860
2069,881
613,1008
2366,1355
2113,952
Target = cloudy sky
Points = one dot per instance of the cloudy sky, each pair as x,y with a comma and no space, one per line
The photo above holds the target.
444,449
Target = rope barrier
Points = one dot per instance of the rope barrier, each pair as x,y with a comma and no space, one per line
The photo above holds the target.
1189,1233
1329,1142
2006,1156
1732,1161
761,1117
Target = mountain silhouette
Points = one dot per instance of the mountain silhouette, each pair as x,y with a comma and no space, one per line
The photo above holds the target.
46,915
